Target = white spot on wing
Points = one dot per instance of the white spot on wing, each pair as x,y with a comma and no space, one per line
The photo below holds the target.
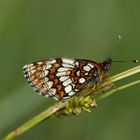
45,73
68,61
82,80
71,93
52,61
25,66
66,97
63,78
25,75
53,91
61,74
78,73
68,88
45,79
76,90
86,73
67,65
39,63
92,66
48,66
87,68
77,63
67,82
63,69
49,84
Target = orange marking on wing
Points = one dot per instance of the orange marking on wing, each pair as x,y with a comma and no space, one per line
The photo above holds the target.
51,76
37,74
38,68
39,86
59,87
52,70
79,86
35,81
76,78
72,73
81,66
55,81
61,93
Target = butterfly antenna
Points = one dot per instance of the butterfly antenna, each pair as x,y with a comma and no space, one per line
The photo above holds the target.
133,61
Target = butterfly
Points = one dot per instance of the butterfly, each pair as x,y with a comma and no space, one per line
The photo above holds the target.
62,78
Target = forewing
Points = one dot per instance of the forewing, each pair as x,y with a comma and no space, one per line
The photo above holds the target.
61,78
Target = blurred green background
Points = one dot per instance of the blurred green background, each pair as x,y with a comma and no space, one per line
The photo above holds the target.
33,30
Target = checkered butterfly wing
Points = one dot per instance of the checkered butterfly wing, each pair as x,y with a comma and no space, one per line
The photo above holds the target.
61,77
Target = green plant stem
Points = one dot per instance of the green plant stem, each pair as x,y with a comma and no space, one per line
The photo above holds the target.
109,82
35,120
125,74
53,109
116,89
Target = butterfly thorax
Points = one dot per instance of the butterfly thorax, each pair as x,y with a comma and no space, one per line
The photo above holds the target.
103,68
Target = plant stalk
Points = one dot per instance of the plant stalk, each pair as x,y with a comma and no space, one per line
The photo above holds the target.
58,106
